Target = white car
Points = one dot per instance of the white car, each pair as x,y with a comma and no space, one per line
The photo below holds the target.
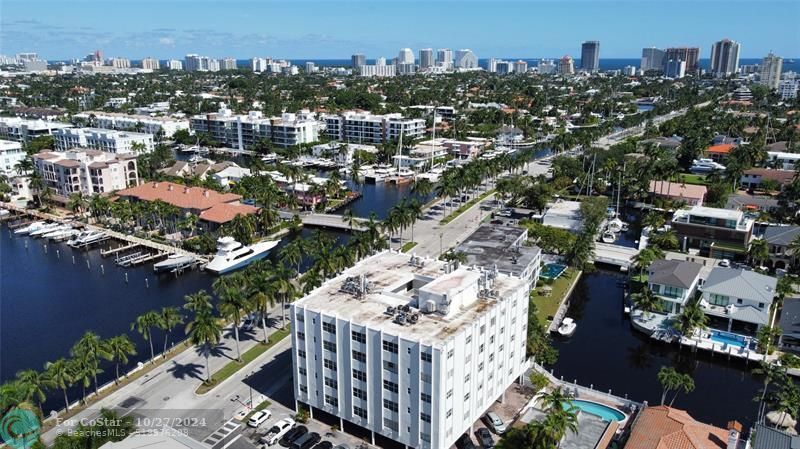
259,418
277,431
724,263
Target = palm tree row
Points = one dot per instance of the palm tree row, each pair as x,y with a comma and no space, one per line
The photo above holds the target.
561,417
401,216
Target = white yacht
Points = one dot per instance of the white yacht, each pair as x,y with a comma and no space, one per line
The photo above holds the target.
608,237
174,261
44,229
705,165
567,327
232,254
55,232
86,238
30,228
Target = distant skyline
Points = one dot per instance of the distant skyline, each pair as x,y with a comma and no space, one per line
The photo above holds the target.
336,29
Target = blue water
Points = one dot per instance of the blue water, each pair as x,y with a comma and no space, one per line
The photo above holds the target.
605,413
726,338
552,270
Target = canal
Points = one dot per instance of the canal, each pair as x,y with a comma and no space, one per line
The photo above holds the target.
607,353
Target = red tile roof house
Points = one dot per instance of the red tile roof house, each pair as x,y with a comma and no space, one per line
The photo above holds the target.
718,153
213,208
693,195
664,427
751,178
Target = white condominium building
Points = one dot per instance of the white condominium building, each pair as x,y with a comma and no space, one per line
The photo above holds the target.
466,59
10,155
411,349
771,68
363,127
405,56
377,70
244,131
787,89
199,63
175,64
24,130
227,64
151,64
108,140
86,170
137,123
444,58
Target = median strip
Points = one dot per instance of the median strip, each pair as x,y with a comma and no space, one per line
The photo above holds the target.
466,207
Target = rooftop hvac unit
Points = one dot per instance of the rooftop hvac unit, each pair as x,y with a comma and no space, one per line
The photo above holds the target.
430,306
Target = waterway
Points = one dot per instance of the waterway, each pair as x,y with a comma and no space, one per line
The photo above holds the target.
607,353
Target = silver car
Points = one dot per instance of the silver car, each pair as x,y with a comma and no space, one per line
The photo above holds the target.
494,422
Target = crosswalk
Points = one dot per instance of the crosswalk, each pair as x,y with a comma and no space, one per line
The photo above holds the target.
220,434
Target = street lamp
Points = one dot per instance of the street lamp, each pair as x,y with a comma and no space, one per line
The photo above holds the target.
250,386
441,247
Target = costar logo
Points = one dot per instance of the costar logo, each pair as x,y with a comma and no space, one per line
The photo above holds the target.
19,428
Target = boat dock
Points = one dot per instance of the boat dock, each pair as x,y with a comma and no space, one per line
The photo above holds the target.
111,251
333,221
142,258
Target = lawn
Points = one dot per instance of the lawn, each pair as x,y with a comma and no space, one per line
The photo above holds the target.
407,246
547,303
689,178
232,367
466,206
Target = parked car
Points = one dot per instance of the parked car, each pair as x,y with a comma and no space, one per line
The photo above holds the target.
484,438
465,442
277,431
259,418
494,423
725,263
306,441
292,435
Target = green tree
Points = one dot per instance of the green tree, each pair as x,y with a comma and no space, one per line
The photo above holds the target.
170,318
35,385
119,348
647,302
60,373
144,324
204,330
89,350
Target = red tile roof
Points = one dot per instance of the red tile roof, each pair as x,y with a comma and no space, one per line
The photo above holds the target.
676,190
664,427
178,195
723,148
225,212
782,176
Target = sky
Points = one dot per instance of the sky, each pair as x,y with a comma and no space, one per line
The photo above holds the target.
331,29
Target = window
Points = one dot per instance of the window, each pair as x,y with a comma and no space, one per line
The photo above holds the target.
491,357
672,292
330,400
426,357
425,377
390,366
718,300
359,337
450,354
301,335
425,397
359,393
500,349
502,329
390,405
480,348
391,424
483,329
480,366
449,413
331,382
491,339
450,373
360,412
359,375
329,327
330,364
359,356
329,346
390,386
390,346
466,397
301,353
494,320
469,339
426,437
449,394
466,378
425,417
761,305
302,371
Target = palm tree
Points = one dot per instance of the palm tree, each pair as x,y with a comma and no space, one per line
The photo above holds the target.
665,240
766,337
170,318
35,386
144,324
653,220
232,303
60,374
669,379
691,318
758,252
82,371
647,302
284,287
350,218
198,302
119,348
685,383
89,349
77,202
206,331
771,373
292,253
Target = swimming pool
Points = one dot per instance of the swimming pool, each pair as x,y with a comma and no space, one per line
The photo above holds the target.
553,270
728,338
604,412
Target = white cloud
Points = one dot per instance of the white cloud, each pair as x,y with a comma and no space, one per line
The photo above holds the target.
166,41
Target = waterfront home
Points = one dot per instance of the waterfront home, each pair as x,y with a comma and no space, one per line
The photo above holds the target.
692,195
86,171
674,282
750,202
789,324
719,233
778,239
341,152
670,143
11,153
230,175
738,300
184,169
665,427
562,214
752,178
502,248
767,437
719,152
157,126
782,160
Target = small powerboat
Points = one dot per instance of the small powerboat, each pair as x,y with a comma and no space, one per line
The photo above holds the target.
567,327
173,262
608,237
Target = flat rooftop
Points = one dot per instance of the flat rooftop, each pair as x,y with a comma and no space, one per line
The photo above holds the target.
394,281
499,246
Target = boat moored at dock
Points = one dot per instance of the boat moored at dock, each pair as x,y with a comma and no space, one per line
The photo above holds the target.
232,254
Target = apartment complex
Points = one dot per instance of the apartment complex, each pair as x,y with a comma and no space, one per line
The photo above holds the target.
11,153
165,126
151,64
377,70
652,59
771,68
466,59
691,55
719,233
86,170
414,350
725,58
24,130
108,140
590,56
244,131
364,127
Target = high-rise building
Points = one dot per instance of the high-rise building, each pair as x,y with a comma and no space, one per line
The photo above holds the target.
566,66
405,56
381,61
652,59
227,64
546,66
425,58
771,68
466,59
151,64
175,64
675,68
504,67
311,67
520,66
787,89
590,56
689,54
357,60
724,58
444,58
491,66
120,63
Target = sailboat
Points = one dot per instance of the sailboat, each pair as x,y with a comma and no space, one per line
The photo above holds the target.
616,225
401,176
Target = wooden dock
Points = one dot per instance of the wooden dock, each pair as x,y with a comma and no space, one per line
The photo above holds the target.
108,252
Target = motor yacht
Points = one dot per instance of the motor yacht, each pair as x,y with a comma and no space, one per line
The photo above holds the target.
30,228
232,254
44,229
567,327
172,262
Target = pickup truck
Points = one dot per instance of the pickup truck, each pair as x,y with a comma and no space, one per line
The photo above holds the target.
276,432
